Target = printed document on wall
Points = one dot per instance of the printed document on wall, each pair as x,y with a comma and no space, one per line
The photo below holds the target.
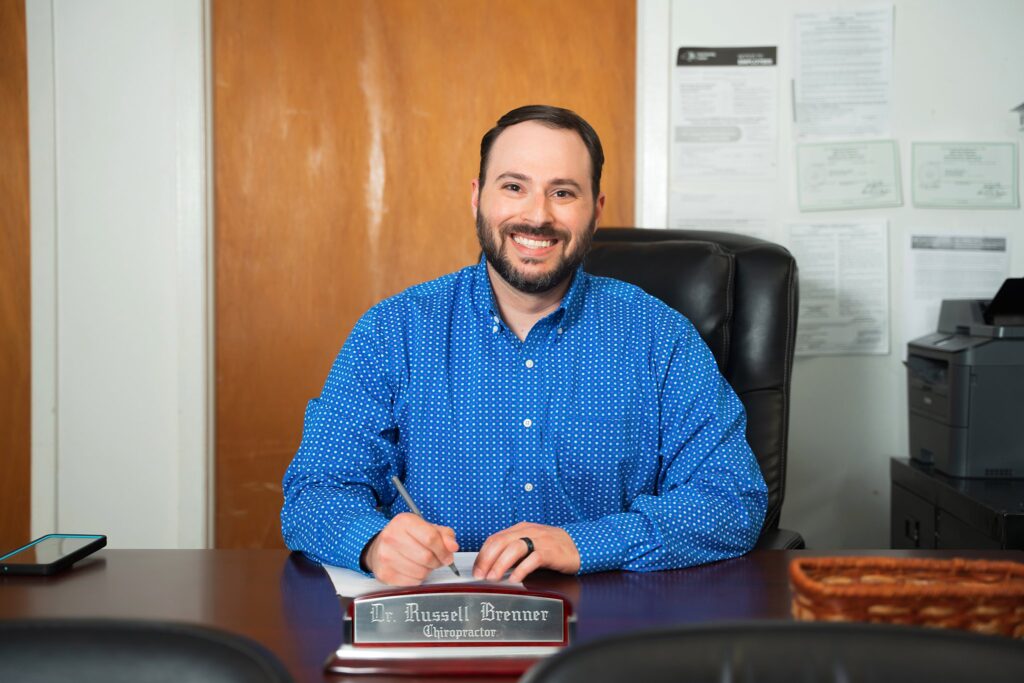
940,264
965,175
842,72
848,175
744,208
724,151
844,287
725,114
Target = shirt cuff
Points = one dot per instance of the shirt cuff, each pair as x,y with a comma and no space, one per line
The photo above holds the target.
602,543
357,535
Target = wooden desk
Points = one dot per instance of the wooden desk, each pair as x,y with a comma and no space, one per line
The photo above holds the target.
288,604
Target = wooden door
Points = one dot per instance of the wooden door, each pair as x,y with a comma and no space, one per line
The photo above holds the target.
346,135
15,320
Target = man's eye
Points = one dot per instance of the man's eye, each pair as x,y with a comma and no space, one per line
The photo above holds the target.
564,194
514,187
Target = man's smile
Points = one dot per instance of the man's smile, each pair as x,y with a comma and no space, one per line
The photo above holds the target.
533,247
532,243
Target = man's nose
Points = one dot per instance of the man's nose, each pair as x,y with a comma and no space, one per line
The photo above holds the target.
537,212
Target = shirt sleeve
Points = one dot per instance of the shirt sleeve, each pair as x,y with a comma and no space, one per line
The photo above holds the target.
710,499
340,476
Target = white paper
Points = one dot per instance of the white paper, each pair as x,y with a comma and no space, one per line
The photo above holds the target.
350,584
725,114
966,264
844,287
848,175
843,79
965,175
746,208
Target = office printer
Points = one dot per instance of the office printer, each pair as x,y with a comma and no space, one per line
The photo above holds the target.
966,388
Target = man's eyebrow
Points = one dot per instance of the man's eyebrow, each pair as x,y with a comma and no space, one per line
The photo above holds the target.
522,177
566,181
511,175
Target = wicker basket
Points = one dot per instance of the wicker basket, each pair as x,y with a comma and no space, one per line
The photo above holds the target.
975,595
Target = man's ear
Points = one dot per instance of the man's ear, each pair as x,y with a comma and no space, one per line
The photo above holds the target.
474,199
598,209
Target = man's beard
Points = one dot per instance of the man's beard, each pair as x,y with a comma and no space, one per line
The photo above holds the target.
537,284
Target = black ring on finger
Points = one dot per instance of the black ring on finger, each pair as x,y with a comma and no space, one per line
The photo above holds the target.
529,546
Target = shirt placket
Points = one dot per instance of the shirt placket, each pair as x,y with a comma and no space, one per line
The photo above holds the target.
510,354
531,416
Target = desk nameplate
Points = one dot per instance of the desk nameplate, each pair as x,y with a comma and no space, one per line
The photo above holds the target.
453,628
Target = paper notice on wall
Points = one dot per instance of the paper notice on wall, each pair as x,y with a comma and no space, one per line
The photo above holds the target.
724,152
842,73
966,264
965,175
844,287
725,114
745,208
848,175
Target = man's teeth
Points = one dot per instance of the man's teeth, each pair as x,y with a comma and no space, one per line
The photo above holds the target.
532,243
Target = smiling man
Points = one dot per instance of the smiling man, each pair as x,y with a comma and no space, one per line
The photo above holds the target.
543,416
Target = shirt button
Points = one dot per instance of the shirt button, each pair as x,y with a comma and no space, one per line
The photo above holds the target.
494,329
559,330
529,363
495,318
528,486
527,423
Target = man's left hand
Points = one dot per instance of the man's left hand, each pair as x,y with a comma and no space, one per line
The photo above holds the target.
552,549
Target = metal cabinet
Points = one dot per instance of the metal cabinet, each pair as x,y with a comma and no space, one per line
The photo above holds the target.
933,510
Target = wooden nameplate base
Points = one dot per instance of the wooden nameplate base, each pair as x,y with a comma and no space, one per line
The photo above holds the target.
452,629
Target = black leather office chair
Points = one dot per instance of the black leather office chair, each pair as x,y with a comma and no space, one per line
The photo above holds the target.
741,293
784,652
116,651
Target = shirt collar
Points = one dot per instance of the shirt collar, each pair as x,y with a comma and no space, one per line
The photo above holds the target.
572,303
568,311
483,295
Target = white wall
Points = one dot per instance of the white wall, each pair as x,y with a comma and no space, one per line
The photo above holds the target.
957,75
117,105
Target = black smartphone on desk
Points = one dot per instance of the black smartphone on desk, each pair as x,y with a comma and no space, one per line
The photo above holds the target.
50,554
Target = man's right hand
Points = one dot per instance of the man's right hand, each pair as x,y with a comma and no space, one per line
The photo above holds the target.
408,549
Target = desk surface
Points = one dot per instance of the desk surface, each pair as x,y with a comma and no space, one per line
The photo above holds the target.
288,604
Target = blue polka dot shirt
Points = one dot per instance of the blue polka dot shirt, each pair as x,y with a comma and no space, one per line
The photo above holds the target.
610,421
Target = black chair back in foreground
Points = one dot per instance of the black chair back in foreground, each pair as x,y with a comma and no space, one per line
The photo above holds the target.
788,652
118,651
741,294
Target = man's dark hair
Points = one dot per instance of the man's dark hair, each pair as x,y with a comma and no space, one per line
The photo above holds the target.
553,117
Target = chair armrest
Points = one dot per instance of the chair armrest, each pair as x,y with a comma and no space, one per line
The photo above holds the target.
780,539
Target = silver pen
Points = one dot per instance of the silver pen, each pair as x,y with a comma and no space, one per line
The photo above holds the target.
416,511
